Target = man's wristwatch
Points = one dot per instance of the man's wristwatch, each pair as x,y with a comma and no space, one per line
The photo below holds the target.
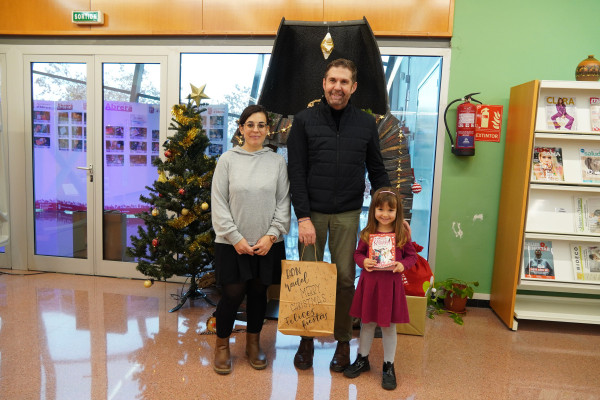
273,238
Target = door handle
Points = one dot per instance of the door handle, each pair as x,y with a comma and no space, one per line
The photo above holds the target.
91,171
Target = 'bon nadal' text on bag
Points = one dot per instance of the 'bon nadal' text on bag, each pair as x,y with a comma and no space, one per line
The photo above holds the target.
307,298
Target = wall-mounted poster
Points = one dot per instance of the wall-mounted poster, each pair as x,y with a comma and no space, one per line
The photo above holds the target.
57,132
214,123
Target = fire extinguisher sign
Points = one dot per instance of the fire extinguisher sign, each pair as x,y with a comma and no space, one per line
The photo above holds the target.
488,123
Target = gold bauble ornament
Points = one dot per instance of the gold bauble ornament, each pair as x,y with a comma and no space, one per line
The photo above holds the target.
148,283
205,206
154,212
185,211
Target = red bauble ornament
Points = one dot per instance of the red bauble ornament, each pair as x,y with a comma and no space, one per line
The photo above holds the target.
155,242
416,188
168,153
182,191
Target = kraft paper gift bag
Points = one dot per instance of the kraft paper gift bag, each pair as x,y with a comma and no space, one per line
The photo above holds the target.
307,298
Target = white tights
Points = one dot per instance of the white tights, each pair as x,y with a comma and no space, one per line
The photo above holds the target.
390,339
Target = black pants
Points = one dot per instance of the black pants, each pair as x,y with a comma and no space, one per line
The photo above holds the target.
233,295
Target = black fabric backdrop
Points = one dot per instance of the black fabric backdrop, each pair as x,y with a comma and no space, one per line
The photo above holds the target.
295,74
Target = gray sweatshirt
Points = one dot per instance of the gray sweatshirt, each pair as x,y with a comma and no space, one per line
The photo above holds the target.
250,196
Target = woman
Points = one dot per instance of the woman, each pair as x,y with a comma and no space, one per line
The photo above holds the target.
250,214
561,111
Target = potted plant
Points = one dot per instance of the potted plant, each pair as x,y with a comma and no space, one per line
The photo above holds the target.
454,293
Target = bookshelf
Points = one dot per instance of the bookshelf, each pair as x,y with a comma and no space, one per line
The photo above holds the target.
534,209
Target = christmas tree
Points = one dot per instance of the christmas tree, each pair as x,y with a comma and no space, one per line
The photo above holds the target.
178,238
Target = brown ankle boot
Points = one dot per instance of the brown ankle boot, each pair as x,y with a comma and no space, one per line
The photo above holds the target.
222,364
256,357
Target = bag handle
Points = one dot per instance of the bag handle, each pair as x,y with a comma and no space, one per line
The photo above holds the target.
304,248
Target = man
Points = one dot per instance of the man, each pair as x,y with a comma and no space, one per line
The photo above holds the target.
539,266
329,147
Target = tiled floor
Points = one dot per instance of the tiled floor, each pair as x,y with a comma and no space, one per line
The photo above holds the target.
81,337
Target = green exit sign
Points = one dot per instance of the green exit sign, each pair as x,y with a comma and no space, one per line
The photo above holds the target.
87,17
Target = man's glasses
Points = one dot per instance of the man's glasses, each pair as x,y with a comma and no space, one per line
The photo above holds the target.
251,125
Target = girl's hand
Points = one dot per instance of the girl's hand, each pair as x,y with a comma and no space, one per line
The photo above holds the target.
399,267
263,246
242,247
369,264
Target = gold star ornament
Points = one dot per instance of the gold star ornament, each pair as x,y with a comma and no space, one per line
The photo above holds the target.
198,94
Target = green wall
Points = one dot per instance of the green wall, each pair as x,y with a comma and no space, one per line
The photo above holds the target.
497,45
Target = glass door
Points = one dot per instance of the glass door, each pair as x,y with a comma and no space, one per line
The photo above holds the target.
61,165
131,115
4,223
94,130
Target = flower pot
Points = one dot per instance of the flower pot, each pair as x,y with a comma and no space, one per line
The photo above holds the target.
455,303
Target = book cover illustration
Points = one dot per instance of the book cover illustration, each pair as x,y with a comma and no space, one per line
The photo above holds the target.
547,164
590,165
538,259
382,248
586,262
587,214
595,113
561,113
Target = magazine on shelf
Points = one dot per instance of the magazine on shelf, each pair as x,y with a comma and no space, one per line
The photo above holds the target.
587,214
538,260
586,262
595,113
547,164
382,248
590,164
561,113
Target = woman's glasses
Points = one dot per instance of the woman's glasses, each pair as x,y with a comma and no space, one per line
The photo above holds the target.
250,125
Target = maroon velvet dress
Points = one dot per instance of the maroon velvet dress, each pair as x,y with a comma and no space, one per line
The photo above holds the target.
380,295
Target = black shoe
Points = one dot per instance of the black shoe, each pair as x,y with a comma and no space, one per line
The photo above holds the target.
360,365
341,358
304,356
388,381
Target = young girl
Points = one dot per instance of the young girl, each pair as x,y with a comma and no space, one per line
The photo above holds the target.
379,298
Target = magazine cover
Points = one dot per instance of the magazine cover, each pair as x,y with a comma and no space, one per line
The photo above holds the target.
595,113
586,262
561,113
547,164
590,165
538,259
382,248
587,214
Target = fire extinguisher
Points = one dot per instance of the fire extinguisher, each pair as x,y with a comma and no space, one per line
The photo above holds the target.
465,126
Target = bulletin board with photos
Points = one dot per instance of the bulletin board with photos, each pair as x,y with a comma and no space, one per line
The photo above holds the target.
130,142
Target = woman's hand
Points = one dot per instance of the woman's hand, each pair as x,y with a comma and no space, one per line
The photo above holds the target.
369,264
262,247
399,267
242,247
